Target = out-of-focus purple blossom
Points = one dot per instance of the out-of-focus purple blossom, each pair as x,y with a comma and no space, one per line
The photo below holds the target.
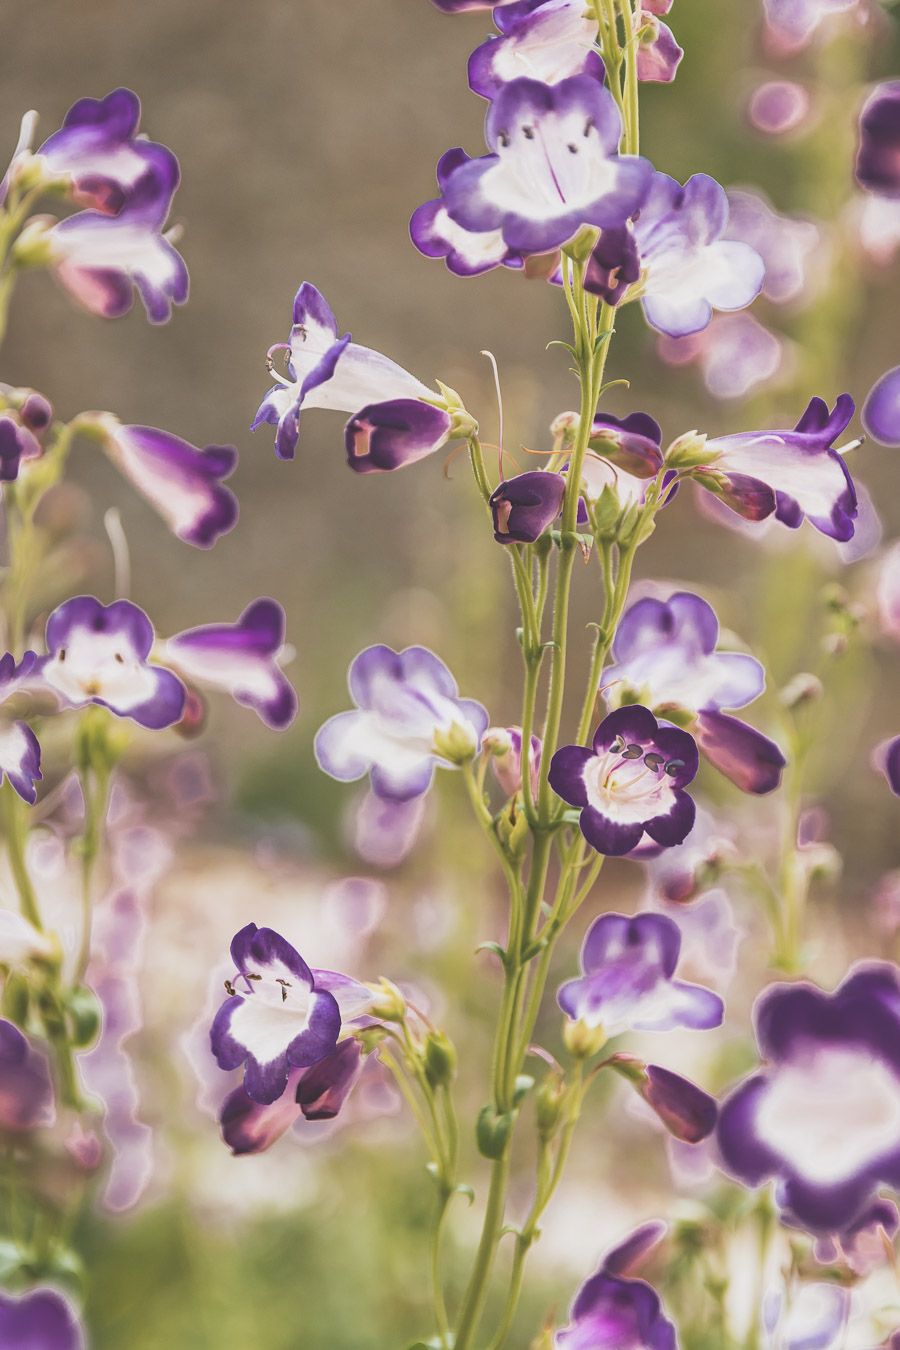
886,902
408,719
629,781
878,153
786,244
794,22
877,222
385,831
752,761
736,353
628,980
710,936
822,1114
20,751
505,744
316,1093
679,877
554,166
886,760
26,1092
690,267
865,1246
612,1312
20,941
688,1113
808,1317
328,371
525,506
881,410
546,40
791,474
242,659
779,107
17,442
42,1319
180,481
467,253
658,54
99,654
887,592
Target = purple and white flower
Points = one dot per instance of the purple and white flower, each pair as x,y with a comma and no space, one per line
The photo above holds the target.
630,781
408,718
42,1319
794,22
787,244
665,657
878,154
315,1093
505,745
386,436
688,1113
467,253
26,1092
658,54
328,371
690,267
242,659
525,506
614,1312
554,166
793,475
881,410
546,40
628,982
821,1116
810,1317
20,751
99,654
182,482
277,1016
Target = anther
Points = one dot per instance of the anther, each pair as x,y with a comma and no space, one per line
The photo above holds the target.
654,761
674,765
230,989
633,752
528,133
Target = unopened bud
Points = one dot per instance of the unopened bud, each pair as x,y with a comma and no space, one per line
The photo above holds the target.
85,1016
802,689
548,1105
34,246
440,1059
688,451
388,1003
36,412
583,1041
492,1132
457,743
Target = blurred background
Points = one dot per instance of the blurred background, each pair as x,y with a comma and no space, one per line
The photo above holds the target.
308,131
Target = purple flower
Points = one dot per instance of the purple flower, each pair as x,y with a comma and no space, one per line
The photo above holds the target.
42,1319
554,166
386,436
691,269
630,443
887,592
811,1317
613,1312
614,266
408,718
791,474
878,154
316,1093
242,659
17,442
665,657
468,253
26,1092
98,654
688,1113
628,982
881,410
99,151
867,1244
385,831
778,107
181,482
736,353
276,1017
102,259
546,40
20,751
459,6
658,54
822,1115
629,781
524,507
886,759
327,371
786,244
794,22
505,744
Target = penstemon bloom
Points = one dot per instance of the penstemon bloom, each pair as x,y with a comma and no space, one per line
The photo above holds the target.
613,1311
546,40
42,1319
525,506
408,719
20,751
811,1316
467,253
630,781
881,410
26,1091
877,168
886,758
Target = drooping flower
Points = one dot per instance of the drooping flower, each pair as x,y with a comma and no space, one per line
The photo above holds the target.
614,1312
182,482
821,1116
26,1092
878,153
546,40
316,1093
688,1113
20,751
665,657
99,654
525,506
690,267
42,1319
809,1317
327,371
99,151
789,474
242,659
629,781
881,410
408,718
658,54
628,982
467,253
277,1016
386,436
554,166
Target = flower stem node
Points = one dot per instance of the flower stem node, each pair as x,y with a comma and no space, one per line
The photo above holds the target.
582,1041
688,451
440,1059
456,744
492,1132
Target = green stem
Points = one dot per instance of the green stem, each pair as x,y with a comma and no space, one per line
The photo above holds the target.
476,1292
16,833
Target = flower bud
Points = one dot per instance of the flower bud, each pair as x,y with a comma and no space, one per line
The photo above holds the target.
440,1059
85,1016
492,1132
583,1041
36,412
457,743
34,246
688,451
388,1005
513,829
687,1111
549,1104
523,507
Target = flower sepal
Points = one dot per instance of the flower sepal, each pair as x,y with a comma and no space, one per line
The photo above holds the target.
688,451
583,1041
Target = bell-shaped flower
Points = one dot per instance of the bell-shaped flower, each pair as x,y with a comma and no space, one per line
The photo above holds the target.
614,1312
878,154
523,507
886,759
386,436
664,656
328,371
631,443
658,54
628,982
554,166
180,481
20,751
793,475
467,253
808,1317
687,1112
99,152
99,654
101,259
505,745
690,268
42,1319
316,1093
26,1092
242,659
629,781
821,1115
881,410
408,718
277,1017
546,40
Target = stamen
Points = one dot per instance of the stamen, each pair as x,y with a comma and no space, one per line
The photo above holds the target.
633,752
118,541
230,989
493,360
270,362
674,765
